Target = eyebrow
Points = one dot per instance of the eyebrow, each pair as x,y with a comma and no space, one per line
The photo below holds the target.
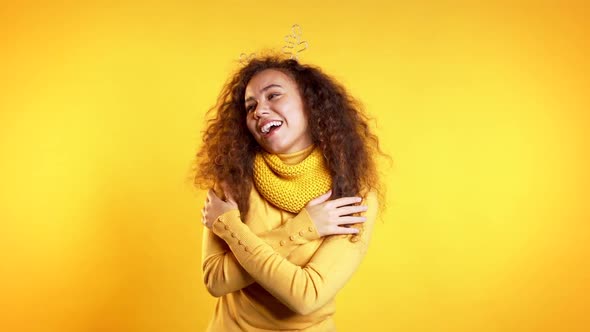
264,89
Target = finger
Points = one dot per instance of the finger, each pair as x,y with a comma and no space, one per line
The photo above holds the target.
345,201
320,199
345,230
211,196
351,220
230,198
346,210
227,193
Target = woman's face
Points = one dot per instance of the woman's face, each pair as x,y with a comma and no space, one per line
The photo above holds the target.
276,117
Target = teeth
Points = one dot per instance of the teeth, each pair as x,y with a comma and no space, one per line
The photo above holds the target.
266,128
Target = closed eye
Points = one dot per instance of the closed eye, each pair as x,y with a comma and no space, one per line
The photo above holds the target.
250,108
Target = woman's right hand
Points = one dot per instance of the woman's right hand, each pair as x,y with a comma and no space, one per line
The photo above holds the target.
328,216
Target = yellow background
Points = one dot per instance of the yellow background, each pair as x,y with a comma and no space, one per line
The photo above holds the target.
484,109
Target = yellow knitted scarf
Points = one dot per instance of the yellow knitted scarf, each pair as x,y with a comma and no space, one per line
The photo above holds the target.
291,187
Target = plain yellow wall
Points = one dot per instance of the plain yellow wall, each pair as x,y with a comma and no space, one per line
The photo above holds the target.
483,107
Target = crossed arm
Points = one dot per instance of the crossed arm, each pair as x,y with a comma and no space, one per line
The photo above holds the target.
222,273
303,289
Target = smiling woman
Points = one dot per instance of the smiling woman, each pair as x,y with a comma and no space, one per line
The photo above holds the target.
293,197
274,105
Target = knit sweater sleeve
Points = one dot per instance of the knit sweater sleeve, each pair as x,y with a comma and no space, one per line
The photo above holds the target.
303,289
222,273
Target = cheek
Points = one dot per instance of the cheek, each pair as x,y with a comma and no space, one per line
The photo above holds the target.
307,127
304,121
251,124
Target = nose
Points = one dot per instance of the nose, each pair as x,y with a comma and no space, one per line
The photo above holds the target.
260,110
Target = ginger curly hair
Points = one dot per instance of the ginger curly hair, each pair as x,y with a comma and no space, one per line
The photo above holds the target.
338,124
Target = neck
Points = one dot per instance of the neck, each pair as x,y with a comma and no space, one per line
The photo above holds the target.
290,181
296,157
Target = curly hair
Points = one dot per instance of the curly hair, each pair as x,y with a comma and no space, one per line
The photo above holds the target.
338,125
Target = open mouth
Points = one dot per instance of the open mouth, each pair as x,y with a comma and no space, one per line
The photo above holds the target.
270,127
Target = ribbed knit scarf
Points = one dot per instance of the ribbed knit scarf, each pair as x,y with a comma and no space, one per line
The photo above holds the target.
291,187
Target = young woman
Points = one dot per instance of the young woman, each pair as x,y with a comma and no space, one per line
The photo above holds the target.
290,157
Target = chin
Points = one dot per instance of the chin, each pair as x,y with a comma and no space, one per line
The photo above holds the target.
272,151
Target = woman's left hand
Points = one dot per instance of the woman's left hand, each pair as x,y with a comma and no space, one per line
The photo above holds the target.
215,206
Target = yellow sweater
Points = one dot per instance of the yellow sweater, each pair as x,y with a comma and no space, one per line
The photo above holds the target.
273,272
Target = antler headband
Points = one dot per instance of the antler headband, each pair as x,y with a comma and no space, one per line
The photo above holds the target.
293,45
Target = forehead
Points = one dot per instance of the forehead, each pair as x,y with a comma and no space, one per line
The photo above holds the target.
266,78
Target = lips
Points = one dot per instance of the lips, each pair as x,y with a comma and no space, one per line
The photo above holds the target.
267,126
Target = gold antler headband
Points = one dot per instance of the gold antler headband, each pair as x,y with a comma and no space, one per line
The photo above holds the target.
294,45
